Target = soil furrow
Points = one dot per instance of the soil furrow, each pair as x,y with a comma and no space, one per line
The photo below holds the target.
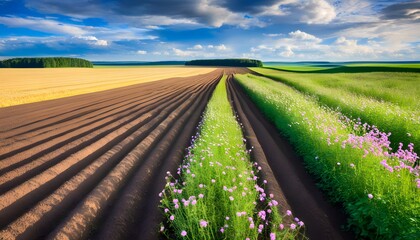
44,111
69,166
43,147
59,128
69,192
19,175
129,209
81,221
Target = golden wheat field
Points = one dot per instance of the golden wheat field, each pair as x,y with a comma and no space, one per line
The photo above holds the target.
19,86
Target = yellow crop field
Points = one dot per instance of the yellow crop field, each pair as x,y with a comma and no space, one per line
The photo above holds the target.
19,86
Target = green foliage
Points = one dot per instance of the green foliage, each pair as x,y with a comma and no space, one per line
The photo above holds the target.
218,182
347,174
226,62
50,62
387,100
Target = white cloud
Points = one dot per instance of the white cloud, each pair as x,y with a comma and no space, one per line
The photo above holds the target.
182,53
287,52
300,46
93,40
299,35
201,51
273,34
197,47
316,12
141,52
43,25
221,47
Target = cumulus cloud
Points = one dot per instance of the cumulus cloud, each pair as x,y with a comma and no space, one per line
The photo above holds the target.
304,36
141,52
316,12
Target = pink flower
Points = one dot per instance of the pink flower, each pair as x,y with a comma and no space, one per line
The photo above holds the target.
172,217
288,212
274,202
251,226
272,236
301,223
231,198
184,233
200,195
292,226
262,214
203,223
281,226
370,196
222,230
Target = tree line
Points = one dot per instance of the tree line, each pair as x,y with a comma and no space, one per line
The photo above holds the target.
48,62
240,62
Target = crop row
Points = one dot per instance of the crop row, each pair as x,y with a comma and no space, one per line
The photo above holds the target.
215,193
352,161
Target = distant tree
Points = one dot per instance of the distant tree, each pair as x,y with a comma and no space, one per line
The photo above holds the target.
50,62
240,62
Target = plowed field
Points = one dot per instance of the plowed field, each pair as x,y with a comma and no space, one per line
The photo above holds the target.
91,166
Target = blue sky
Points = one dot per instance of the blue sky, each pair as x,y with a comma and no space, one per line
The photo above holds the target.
155,30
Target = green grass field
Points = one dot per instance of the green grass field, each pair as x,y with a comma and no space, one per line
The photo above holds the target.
347,67
352,162
387,100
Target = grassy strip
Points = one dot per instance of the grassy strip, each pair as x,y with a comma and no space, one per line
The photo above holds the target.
354,99
216,195
380,197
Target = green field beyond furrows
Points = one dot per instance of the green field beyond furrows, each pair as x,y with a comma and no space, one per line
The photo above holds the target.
353,162
214,194
389,101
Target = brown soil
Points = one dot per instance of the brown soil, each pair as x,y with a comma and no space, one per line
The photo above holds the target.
91,166
286,174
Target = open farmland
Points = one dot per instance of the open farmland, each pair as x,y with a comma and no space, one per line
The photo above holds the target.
92,165
19,86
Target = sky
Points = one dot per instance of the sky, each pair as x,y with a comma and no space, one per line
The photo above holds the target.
161,30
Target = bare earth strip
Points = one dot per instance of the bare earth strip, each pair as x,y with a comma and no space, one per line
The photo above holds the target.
91,165
20,86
